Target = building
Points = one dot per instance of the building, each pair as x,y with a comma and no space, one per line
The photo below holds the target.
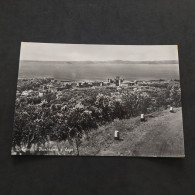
24,93
117,81
52,88
73,85
83,84
41,93
129,83
78,84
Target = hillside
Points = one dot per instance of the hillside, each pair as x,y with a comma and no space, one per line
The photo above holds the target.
161,135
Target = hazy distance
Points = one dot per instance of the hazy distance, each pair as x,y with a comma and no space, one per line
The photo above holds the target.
96,70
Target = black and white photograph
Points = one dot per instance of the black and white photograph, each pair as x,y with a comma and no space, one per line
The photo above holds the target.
98,100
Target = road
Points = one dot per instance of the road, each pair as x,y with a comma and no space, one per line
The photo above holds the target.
161,135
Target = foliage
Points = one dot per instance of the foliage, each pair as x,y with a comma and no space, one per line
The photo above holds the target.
76,112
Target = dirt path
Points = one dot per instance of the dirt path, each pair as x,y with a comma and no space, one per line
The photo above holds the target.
164,138
158,136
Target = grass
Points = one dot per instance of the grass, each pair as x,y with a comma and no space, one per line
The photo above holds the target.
160,135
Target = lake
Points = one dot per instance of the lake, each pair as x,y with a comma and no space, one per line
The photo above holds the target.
78,71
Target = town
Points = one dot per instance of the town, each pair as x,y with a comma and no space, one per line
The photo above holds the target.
51,85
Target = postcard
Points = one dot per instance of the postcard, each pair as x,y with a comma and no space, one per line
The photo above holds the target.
98,100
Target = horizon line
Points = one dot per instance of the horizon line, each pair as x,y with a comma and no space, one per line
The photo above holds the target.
99,60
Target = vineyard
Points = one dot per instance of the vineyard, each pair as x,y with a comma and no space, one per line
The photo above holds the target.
73,113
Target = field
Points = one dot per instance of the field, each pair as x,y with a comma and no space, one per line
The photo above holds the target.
54,117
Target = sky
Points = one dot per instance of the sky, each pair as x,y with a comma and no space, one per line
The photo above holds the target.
88,52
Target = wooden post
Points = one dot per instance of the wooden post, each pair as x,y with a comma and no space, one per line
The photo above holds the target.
116,135
142,117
